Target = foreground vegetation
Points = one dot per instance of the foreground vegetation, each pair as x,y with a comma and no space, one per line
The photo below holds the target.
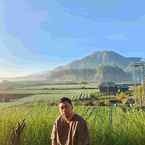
23,122
123,128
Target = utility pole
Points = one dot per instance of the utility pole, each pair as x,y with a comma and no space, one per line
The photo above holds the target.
144,84
139,76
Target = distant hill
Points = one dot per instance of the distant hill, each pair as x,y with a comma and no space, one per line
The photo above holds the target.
99,66
103,58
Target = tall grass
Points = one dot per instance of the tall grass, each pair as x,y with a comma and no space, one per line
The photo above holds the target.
126,128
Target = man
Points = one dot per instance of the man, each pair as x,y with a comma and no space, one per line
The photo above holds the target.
69,128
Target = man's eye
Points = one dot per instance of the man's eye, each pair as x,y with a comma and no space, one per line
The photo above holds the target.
63,107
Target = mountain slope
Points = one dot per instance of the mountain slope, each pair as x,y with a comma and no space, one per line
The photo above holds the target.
104,58
112,73
99,66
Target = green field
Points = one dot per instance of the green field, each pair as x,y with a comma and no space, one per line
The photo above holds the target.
34,104
33,93
125,129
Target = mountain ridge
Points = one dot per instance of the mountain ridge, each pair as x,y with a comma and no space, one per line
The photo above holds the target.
109,63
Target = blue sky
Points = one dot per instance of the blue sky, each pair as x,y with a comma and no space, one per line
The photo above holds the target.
36,35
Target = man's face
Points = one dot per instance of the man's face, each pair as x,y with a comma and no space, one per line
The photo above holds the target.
65,109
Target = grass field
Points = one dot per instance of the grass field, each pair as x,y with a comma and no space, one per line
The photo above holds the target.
125,129
107,126
25,94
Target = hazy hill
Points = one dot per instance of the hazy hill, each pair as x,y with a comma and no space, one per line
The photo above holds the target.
99,66
103,58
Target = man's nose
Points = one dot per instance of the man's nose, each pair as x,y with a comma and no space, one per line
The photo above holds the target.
64,109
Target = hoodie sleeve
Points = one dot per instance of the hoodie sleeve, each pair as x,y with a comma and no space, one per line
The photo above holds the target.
83,134
54,135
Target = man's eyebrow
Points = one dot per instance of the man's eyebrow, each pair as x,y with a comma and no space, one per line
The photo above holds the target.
64,105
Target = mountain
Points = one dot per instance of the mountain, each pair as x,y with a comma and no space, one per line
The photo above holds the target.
112,73
103,58
99,66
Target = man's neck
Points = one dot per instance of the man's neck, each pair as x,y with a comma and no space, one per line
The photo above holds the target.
68,119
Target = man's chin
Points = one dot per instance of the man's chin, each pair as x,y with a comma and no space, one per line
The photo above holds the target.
65,116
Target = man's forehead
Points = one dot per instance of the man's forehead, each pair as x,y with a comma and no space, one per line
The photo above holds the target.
64,104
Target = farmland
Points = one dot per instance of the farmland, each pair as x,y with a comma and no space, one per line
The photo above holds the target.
32,93
126,128
34,107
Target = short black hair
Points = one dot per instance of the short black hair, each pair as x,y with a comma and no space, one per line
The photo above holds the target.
65,99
